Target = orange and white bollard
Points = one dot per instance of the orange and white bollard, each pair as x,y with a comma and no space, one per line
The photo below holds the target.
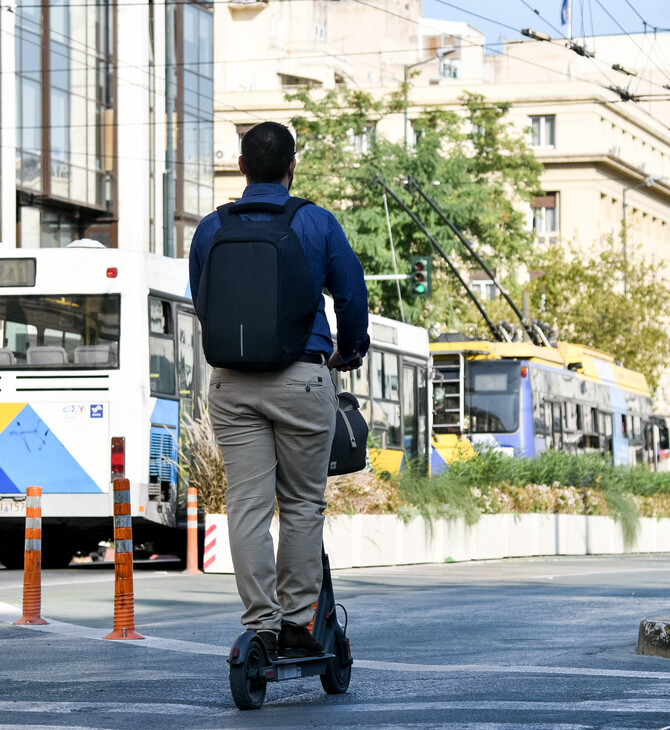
32,565
124,601
192,532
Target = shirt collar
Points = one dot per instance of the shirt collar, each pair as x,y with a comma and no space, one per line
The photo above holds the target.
264,190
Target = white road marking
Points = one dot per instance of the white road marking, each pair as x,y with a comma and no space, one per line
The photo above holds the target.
132,708
630,707
50,727
9,613
608,705
507,669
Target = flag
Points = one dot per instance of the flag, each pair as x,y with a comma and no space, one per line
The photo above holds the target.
564,12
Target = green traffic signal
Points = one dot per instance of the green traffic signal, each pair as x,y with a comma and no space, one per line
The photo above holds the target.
421,276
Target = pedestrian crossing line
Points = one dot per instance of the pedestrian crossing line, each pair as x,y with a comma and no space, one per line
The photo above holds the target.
581,708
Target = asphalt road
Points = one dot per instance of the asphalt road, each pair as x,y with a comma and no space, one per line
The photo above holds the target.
535,643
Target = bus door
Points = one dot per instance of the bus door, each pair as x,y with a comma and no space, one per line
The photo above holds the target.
414,410
186,372
554,413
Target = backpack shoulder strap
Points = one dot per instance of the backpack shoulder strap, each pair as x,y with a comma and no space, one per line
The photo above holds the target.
291,206
224,212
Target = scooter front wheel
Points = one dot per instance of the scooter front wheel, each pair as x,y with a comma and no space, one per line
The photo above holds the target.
335,680
247,683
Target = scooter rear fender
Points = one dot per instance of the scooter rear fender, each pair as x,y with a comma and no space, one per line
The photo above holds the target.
241,645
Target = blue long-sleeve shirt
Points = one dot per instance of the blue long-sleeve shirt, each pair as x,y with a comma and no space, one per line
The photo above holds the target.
331,261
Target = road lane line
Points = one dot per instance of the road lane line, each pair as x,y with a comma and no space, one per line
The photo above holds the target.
629,707
9,613
133,708
509,669
50,727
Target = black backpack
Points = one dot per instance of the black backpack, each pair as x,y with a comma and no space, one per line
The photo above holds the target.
256,299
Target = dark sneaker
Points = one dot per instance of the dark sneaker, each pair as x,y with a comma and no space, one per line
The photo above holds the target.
296,641
269,639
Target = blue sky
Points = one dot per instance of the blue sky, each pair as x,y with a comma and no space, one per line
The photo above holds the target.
589,17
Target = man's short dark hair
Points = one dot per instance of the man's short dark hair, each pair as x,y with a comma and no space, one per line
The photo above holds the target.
267,151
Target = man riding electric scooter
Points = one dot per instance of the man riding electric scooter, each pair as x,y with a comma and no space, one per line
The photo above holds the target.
257,270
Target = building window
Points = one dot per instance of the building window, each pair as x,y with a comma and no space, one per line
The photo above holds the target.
197,113
484,288
362,142
64,92
545,218
543,131
241,130
29,97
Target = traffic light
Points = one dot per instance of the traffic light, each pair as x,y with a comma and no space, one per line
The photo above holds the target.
422,276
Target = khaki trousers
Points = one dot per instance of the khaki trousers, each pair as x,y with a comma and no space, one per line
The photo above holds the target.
275,432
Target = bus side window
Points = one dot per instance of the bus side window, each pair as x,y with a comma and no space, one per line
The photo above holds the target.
161,347
358,383
386,408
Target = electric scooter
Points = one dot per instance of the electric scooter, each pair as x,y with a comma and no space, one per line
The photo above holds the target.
251,668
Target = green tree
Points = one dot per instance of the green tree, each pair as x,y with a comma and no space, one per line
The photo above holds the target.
472,163
614,303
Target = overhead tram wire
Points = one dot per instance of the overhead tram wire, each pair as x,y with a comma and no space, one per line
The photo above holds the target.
498,333
376,51
358,53
664,72
535,336
557,40
625,94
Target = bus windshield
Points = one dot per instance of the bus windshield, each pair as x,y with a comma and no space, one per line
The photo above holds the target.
492,396
70,331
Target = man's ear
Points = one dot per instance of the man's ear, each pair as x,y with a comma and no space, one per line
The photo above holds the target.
240,164
291,167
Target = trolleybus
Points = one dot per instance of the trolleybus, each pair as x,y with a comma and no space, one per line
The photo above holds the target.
522,399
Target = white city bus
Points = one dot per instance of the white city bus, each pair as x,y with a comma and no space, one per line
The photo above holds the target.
99,357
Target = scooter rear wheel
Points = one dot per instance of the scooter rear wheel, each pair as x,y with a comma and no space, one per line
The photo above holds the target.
247,684
335,680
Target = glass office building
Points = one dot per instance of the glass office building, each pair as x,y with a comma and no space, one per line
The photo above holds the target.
72,71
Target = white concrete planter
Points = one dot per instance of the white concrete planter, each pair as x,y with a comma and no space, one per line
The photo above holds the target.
373,540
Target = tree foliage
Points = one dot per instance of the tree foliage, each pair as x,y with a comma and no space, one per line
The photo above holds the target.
472,162
613,302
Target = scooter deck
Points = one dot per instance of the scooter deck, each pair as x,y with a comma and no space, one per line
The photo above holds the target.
295,667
